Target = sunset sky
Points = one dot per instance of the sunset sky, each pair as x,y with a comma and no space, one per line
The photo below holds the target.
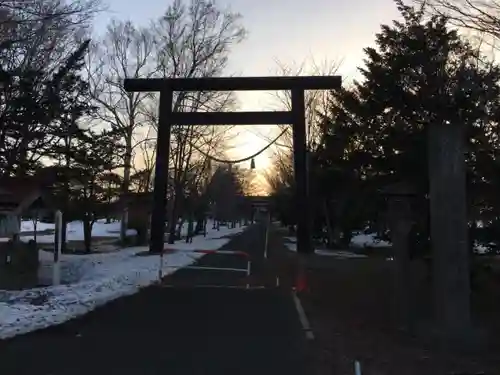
289,31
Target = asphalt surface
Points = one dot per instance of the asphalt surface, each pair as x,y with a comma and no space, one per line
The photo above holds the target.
179,330
252,242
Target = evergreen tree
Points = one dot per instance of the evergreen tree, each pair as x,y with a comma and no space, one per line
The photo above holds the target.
36,111
420,78
93,155
420,74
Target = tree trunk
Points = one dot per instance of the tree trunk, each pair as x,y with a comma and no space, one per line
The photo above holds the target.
178,232
35,226
199,225
64,226
87,234
190,230
329,229
66,195
108,214
174,216
447,188
127,161
346,237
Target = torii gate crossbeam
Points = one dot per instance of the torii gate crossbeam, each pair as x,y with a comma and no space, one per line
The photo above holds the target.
296,117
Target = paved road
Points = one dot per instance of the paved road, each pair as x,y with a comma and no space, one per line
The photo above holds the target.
172,331
251,242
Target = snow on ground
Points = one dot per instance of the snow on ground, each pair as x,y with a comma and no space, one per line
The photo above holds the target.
359,240
368,240
364,240
92,280
74,230
480,248
339,254
29,226
292,246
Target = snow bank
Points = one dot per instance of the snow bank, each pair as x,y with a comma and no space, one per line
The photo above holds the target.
368,240
29,226
292,246
93,280
339,254
26,311
74,230
359,240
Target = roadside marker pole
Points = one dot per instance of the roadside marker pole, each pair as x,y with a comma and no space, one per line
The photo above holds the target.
357,368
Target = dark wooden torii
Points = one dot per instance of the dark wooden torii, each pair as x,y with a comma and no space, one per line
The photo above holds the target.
296,117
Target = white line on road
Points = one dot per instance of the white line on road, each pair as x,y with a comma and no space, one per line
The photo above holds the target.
303,318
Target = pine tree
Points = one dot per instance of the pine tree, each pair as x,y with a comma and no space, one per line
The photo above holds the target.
36,109
420,73
93,155
421,77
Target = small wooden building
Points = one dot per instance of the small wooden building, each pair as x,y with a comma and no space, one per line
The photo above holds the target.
16,196
18,260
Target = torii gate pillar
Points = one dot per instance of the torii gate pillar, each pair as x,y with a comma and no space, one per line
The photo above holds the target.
296,117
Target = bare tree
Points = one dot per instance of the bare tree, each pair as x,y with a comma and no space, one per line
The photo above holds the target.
144,162
315,100
42,33
191,41
281,174
124,52
482,17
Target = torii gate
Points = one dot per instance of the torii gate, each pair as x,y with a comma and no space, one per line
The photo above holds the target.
295,117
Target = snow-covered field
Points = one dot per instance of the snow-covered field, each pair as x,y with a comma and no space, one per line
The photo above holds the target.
74,230
92,280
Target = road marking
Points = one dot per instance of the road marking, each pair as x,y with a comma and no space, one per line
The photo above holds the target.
303,318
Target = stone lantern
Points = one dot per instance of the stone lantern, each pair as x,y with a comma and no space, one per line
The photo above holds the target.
400,220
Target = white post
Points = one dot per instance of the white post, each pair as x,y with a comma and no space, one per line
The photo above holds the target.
357,368
56,269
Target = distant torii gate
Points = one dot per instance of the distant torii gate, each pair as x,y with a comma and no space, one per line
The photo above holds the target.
296,117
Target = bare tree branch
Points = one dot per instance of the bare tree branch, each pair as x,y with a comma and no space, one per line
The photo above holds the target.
43,33
194,40
482,17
